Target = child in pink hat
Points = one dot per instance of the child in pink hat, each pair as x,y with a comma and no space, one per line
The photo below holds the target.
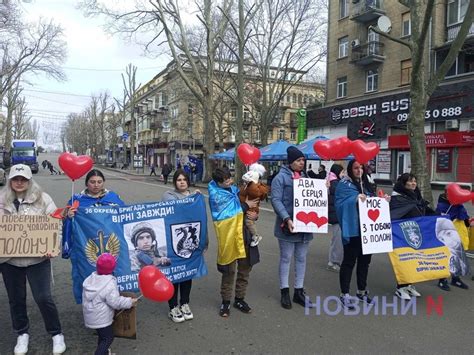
100,297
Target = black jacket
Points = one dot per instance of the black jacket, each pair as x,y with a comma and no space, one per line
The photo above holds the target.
405,203
331,208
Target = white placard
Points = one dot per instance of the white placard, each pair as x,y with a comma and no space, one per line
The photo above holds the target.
375,226
310,205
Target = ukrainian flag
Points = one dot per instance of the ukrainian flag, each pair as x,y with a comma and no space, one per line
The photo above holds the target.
228,220
418,251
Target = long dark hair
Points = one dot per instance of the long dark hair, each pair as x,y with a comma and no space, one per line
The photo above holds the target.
364,179
94,172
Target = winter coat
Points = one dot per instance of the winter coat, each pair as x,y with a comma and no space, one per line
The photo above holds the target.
454,211
254,191
100,297
331,197
37,203
406,203
173,195
282,202
346,204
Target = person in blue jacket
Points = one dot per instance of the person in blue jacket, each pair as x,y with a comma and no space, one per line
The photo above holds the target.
353,187
291,244
95,194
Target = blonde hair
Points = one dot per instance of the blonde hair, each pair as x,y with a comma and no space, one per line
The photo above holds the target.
34,192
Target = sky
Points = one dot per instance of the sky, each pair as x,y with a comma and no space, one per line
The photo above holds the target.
94,64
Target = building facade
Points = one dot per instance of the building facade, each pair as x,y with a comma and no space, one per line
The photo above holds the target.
170,122
368,85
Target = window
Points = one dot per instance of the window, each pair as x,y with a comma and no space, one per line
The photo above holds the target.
456,11
343,8
405,72
300,99
406,24
294,98
342,87
246,115
463,64
233,112
343,47
372,80
190,109
257,134
293,135
270,135
288,98
281,134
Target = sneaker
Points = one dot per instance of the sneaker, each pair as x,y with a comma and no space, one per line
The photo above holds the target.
346,301
224,311
364,296
21,347
176,315
242,306
458,283
255,240
443,284
186,311
403,293
412,291
58,344
333,267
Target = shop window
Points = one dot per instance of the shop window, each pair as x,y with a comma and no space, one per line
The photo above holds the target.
405,72
443,160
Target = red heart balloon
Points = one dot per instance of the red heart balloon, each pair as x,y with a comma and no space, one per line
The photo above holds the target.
342,147
75,166
248,154
363,152
154,285
323,149
457,195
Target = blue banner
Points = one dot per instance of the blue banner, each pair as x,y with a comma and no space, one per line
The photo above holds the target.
426,248
171,235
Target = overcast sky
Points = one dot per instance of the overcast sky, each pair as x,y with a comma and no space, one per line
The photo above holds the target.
94,64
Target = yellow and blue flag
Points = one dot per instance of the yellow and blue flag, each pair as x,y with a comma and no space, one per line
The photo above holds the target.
228,219
419,250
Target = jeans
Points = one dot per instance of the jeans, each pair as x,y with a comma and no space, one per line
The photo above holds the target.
184,288
336,251
353,253
106,338
39,278
287,250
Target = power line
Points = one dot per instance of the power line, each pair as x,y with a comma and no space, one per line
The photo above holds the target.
57,93
57,102
108,70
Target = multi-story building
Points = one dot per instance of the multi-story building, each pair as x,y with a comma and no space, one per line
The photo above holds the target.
368,84
170,123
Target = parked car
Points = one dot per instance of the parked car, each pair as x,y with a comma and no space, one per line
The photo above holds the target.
3,177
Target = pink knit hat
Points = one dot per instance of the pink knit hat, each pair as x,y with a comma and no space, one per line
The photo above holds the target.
105,264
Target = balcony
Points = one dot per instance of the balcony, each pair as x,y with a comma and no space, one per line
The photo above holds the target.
368,53
452,32
293,122
365,11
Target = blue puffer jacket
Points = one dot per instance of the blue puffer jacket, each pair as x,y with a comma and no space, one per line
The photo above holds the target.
282,202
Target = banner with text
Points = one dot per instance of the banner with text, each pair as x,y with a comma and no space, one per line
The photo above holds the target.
29,235
375,226
168,234
420,251
310,205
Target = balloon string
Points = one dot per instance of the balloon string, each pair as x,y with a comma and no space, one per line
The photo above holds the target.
119,313
72,192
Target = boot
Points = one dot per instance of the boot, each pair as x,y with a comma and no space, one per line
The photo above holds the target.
285,298
300,296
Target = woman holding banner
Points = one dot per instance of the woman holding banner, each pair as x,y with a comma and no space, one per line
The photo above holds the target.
182,312
95,194
23,196
352,188
291,244
407,202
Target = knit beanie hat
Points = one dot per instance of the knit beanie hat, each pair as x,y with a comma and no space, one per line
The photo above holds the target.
105,264
293,154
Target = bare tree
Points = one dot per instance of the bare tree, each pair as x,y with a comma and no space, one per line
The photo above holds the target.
130,89
424,81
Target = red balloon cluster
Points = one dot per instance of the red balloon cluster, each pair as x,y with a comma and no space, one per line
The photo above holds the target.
457,195
339,148
75,166
154,285
248,154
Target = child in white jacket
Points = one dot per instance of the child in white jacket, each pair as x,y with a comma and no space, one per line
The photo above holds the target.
100,297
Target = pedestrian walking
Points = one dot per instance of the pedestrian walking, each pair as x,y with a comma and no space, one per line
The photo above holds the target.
23,196
165,171
292,245
101,297
180,312
152,170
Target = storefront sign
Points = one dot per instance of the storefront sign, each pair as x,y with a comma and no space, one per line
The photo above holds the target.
434,140
443,160
384,162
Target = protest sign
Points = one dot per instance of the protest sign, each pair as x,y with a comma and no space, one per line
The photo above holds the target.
375,226
125,320
29,235
310,206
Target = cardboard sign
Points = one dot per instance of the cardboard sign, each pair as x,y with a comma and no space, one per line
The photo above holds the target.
310,205
125,320
375,226
29,235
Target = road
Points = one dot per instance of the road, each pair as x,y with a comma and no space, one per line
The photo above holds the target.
269,328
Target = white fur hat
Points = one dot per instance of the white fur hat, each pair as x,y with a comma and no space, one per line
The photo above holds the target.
258,168
250,176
